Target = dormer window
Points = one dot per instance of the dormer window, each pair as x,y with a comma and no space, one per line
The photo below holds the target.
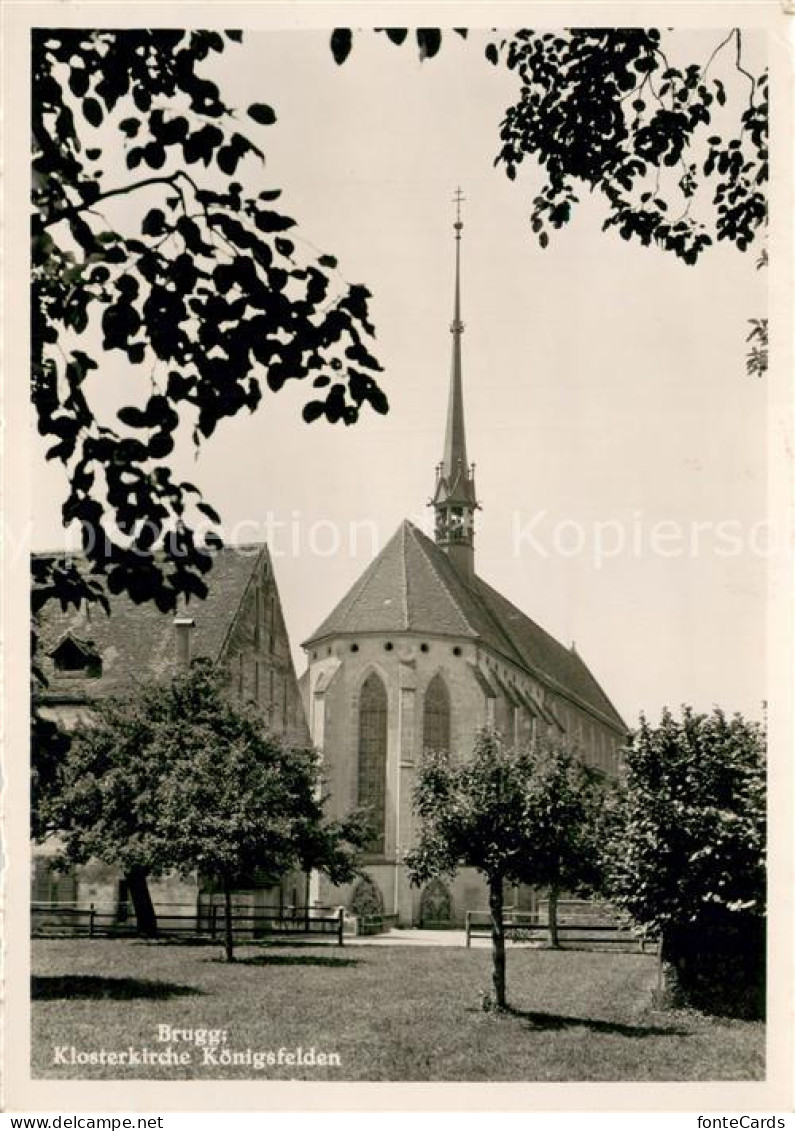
73,656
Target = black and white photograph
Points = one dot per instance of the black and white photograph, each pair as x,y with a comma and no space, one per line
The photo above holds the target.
397,536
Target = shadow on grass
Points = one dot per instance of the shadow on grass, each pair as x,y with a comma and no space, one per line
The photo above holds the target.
293,960
71,987
547,1022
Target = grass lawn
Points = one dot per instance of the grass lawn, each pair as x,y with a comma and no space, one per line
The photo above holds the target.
390,1013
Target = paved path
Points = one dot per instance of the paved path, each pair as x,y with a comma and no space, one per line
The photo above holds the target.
412,936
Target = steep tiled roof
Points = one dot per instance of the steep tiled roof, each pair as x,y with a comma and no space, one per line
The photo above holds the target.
399,591
412,586
137,642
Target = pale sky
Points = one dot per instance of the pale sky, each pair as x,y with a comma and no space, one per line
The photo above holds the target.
605,383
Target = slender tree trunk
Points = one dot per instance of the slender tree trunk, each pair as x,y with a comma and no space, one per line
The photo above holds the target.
229,942
145,917
307,888
662,955
552,915
497,940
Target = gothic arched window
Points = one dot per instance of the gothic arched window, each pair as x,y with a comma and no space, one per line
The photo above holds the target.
372,757
436,716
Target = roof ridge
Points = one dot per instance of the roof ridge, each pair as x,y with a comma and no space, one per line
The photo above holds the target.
233,619
358,589
514,651
586,667
348,602
494,592
560,684
513,654
419,539
540,627
497,622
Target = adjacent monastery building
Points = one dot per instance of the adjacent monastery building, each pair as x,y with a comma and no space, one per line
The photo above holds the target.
86,656
420,654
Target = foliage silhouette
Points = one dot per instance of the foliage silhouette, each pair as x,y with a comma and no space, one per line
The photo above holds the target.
196,284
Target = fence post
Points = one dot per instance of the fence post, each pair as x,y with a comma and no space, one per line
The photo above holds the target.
340,927
91,913
213,913
469,937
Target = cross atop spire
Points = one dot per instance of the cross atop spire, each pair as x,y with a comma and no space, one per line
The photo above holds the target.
458,200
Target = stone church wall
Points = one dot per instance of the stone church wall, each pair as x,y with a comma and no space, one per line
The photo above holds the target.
407,663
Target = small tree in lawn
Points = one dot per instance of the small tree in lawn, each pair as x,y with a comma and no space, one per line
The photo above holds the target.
688,859
236,799
475,814
563,803
179,776
231,803
99,797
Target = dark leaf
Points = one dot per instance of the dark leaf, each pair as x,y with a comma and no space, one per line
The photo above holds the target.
429,40
313,411
154,223
209,511
341,43
130,126
262,113
93,111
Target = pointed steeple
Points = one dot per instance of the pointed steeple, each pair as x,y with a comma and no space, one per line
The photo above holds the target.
455,444
455,500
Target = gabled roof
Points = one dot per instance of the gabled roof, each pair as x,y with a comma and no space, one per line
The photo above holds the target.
137,642
412,586
69,639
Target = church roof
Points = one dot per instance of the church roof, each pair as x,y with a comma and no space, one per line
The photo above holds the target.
412,586
137,641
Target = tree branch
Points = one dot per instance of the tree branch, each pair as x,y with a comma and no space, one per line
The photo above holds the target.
720,46
740,67
122,190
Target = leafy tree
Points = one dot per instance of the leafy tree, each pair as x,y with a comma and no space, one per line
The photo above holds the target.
180,777
100,797
49,744
202,288
503,812
605,110
564,802
688,860
678,152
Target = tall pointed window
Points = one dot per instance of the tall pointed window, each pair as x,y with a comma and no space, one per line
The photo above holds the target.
372,757
436,716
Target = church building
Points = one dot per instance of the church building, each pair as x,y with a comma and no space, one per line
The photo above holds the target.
420,654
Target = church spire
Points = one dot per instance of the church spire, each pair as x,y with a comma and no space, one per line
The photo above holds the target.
455,501
455,444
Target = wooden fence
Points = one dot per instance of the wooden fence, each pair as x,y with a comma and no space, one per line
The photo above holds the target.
531,926
59,920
